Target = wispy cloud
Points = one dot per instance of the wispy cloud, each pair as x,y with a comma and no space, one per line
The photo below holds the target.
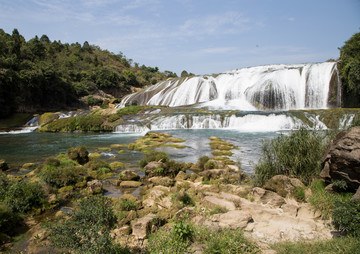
230,22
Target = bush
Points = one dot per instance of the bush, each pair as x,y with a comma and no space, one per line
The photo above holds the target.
63,175
154,156
79,154
210,165
346,216
8,219
21,197
127,205
182,198
201,162
87,231
299,154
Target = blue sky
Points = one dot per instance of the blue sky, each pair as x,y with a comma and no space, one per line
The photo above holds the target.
200,36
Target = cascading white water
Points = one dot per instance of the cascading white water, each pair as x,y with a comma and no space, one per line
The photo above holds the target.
281,87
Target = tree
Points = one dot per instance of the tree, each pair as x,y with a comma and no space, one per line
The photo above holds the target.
184,74
45,39
349,66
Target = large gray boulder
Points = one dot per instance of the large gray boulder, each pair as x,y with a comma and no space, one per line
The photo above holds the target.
342,160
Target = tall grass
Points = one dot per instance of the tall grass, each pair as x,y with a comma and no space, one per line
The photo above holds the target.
298,154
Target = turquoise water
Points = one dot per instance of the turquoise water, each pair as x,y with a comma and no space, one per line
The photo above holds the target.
18,149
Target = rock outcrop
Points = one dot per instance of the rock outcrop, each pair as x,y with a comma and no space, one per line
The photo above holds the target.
342,160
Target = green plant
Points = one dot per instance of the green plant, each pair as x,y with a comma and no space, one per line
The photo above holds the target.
182,198
88,230
210,165
154,156
299,193
183,230
344,245
21,197
346,216
298,154
218,209
127,205
224,241
201,162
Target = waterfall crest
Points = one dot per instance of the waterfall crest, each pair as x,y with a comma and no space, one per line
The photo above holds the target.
279,87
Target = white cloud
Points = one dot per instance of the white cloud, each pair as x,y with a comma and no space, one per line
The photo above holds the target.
230,22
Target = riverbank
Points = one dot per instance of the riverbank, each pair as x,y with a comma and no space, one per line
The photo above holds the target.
170,205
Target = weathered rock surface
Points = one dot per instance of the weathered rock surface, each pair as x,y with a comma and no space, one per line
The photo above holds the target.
342,160
128,175
130,184
283,185
142,227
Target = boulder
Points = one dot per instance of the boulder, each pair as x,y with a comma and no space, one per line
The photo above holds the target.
342,159
267,197
283,185
3,165
164,181
79,154
130,184
151,167
142,227
95,186
128,175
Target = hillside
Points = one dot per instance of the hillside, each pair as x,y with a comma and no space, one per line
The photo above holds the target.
44,75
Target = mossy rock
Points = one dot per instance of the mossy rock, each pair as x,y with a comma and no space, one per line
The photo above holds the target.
117,146
117,165
79,154
130,184
128,175
94,156
121,151
222,153
47,118
65,192
104,149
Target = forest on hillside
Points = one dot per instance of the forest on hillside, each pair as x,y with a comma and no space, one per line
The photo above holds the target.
44,75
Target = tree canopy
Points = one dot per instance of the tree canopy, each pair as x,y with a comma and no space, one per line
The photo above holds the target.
41,74
350,71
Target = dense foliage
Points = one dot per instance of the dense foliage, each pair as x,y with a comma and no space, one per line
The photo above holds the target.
40,74
87,231
350,71
298,154
346,216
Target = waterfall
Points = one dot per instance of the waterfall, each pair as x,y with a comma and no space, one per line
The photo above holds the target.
279,87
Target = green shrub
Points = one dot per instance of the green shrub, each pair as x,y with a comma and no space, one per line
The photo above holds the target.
127,205
299,154
346,216
21,197
323,201
299,193
182,198
201,162
154,156
210,165
224,241
61,176
79,154
8,219
164,241
183,230
88,230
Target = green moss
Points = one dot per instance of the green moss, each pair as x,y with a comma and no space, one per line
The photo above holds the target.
94,156
117,165
222,153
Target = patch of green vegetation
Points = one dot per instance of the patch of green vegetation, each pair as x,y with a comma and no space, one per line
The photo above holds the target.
299,154
219,241
221,153
93,221
345,245
154,139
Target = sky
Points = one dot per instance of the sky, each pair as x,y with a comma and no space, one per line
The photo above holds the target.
199,36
